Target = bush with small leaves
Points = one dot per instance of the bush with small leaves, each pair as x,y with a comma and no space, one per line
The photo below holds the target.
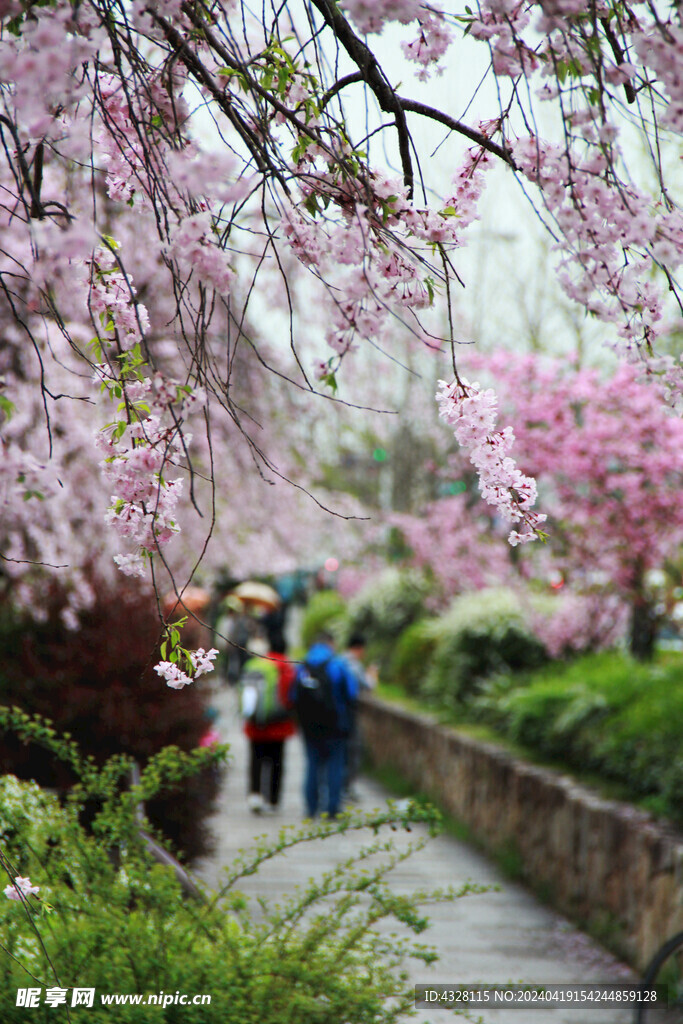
384,608
413,654
106,916
482,634
604,713
324,613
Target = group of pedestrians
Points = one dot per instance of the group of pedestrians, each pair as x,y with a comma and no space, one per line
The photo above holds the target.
317,697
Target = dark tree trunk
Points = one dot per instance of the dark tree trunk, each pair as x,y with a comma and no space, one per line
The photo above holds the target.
643,630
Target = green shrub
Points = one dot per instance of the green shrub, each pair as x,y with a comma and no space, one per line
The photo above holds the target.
324,611
108,917
383,609
412,655
551,719
482,634
605,713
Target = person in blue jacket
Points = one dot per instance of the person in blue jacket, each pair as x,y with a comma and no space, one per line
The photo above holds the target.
324,694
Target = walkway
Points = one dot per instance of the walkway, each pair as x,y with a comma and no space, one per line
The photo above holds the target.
499,937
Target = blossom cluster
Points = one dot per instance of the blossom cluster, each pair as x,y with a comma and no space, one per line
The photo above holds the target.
433,38
195,247
133,167
501,22
139,445
135,155
580,622
200,662
41,551
457,545
600,225
40,63
380,238
112,298
609,231
136,454
121,150
661,51
371,15
472,413
612,454
431,43
21,888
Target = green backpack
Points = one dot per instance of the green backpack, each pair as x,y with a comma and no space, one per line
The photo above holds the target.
260,699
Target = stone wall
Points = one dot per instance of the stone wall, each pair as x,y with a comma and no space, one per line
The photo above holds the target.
605,864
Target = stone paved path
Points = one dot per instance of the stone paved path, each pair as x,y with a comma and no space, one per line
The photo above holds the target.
499,937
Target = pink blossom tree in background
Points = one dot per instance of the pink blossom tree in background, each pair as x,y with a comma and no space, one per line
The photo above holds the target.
191,199
607,454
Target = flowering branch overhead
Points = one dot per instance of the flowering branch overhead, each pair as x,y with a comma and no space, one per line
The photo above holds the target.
472,414
184,181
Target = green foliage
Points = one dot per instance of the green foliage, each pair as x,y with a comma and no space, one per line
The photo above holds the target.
482,634
324,611
604,713
412,655
108,917
384,608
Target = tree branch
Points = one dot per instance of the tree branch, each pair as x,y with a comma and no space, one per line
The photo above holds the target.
202,76
618,56
373,75
35,208
356,76
462,129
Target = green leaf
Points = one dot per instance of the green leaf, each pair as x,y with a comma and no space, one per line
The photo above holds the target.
7,407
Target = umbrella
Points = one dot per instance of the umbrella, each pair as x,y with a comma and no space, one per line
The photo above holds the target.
194,600
252,593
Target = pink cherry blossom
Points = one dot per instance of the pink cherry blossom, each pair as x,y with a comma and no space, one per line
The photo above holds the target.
473,414
173,674
21,888
202,661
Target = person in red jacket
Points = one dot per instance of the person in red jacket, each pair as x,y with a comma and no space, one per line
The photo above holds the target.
267,742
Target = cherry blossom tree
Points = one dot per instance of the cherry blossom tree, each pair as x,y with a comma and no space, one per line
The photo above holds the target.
607,454
608,457
183,178
614,458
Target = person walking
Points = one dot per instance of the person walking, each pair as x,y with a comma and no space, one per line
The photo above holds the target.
324,694
266,683
366,679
